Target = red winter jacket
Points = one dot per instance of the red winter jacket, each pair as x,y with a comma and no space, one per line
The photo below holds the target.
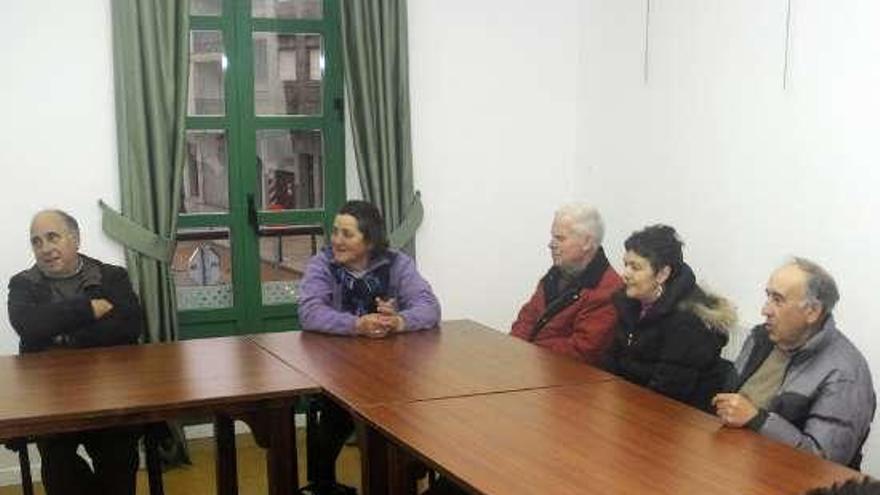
579,322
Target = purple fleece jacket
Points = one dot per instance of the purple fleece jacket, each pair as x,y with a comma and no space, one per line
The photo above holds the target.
320,295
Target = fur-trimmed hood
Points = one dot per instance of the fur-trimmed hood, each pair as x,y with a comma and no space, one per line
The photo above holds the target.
716,312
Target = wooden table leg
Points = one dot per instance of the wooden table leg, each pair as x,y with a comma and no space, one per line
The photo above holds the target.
400,480
281,456
154,463
226,466
374,459
24,461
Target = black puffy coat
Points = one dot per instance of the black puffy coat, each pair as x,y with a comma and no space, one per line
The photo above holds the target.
675,349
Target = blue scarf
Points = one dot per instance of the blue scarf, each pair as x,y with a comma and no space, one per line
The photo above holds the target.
359,293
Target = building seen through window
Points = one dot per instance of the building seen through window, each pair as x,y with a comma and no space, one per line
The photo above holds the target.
264,169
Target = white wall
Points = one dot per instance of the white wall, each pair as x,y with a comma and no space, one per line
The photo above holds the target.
58,128
494,89
748,172
519,106
58,136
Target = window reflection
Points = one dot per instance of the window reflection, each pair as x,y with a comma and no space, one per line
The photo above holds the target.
284,252
205,7
290,169
206,67
288,74
202,268
206,175
287,9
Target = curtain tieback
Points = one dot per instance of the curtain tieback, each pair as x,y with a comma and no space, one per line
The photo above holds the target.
134,236
412,218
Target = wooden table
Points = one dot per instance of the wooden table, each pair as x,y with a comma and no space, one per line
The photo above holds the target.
460,359
608,437
61,391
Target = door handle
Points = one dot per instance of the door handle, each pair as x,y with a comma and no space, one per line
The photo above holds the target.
252,212
338,105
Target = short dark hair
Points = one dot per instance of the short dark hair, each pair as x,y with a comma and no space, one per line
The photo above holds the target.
659,244
866,486
370,223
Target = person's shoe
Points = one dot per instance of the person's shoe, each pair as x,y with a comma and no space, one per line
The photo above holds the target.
327,488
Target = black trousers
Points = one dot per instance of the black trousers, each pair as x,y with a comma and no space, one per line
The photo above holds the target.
114,454
333,428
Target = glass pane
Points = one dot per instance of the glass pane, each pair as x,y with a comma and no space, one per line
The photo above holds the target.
290,169
205,175
284,252
202,268
287,9
205,7
207,62
288,73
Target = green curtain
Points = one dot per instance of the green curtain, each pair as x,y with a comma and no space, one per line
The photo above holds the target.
374,34
150,61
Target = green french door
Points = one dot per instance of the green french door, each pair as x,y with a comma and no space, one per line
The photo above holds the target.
265,160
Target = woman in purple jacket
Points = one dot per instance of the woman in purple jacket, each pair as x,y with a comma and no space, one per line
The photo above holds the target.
358,287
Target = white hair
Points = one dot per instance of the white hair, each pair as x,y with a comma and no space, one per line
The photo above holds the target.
585,219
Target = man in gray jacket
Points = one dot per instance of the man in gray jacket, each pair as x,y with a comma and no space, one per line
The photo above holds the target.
800,380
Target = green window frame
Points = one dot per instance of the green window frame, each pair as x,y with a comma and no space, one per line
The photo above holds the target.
244,221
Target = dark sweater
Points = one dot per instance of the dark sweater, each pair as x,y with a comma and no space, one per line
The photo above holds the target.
45,317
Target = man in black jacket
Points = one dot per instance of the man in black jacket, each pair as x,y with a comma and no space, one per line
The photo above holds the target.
68,300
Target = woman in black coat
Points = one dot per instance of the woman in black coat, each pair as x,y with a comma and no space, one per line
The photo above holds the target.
669,332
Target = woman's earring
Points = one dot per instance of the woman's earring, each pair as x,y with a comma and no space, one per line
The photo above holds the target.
658,292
